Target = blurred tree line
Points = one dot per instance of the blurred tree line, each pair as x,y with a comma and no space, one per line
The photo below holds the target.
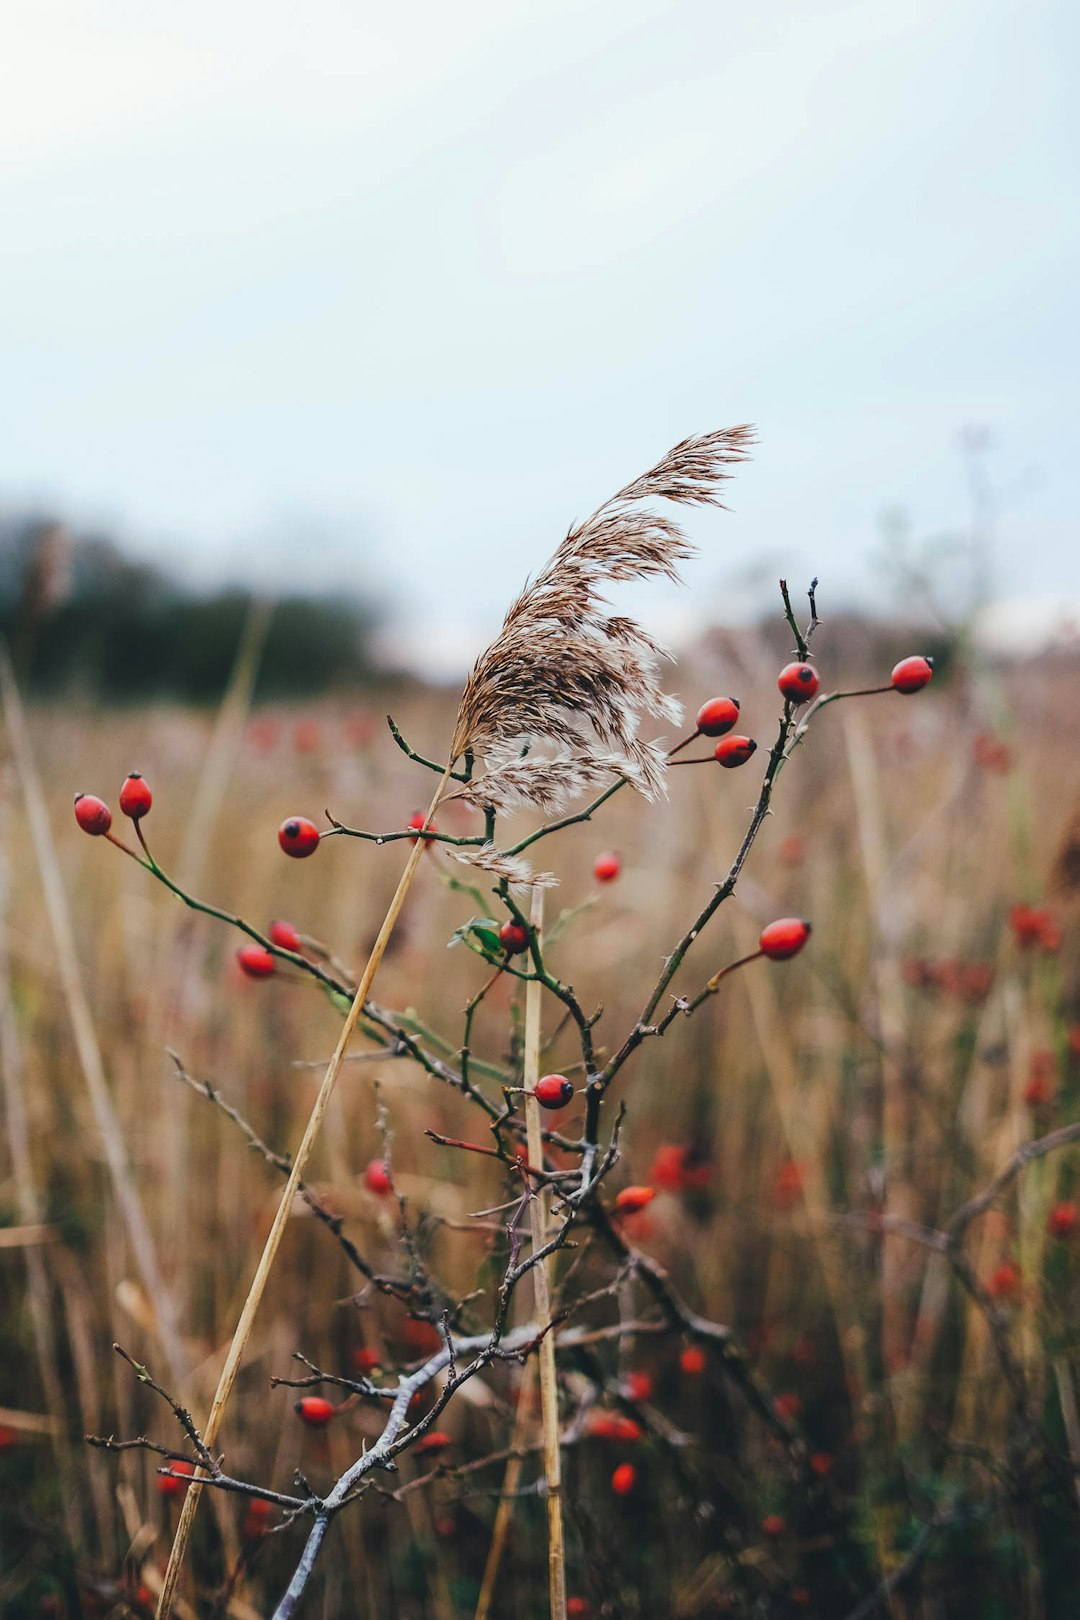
77,610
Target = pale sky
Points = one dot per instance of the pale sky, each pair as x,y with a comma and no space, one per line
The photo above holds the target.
422,283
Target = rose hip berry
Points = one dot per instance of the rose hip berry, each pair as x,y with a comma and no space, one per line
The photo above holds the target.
513,938
624,1479
553,1091
734,751
135,796
606,867
784,938
798,682
632,1200
298,837
692,1361
284,934
912,674
315,1411
166,1486
92,814
416,822
435,1441
1061,1222
377,1178
717,716
255,961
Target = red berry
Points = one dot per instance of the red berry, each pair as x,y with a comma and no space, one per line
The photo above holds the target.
377,1178
788,1185
692,1361
365,1360
912,674
1005,1280
624,1479
733,751
166,1486
135,796
315,1411
417,820
615,1426
285,935
606,867
577,1608
784,938
821,1463
633,1199
553,1091
787,1406
639,1386
717,716
258,1516
298,837
256,961
513,938
1062,1220
773,1525
436,1440
92,814
798,682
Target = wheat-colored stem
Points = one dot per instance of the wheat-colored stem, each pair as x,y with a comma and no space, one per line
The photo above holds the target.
505,1510
273,1241
540,1207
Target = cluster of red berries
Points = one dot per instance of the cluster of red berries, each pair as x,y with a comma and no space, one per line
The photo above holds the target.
259,963
969,982
94,815
1033,926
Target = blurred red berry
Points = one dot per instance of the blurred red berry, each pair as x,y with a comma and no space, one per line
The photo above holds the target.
624,1479
377,1178
800,1596
315,1411
773,1525
792,851
416,822
606,867
285,935
1061,1222
513,937
639,1386
553,1091
1073,1038
420,1338
577,1608
633,1199
167,1486
821,1463
784,938
788,1186
615,1426
1004,1281
307,736
8,1439
298,837
365,1360
798,682
92,814
135,796
256,961
787,1406
717,716
912,674
990,754
258,1516
734,751
668,1168
434,1441
692,1361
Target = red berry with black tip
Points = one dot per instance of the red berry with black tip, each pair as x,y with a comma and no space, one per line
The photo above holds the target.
298,837
284,934
256,961
734,751
315,1410
912,674
784,938
717,716
513,937
553,1091
798,682
606,867
92,814
135,796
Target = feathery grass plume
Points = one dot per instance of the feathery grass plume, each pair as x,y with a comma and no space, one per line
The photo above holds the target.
513,869
564,671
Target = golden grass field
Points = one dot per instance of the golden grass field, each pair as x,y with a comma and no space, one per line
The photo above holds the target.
811,1096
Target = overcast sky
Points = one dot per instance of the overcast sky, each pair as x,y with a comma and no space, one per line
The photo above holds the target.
393,293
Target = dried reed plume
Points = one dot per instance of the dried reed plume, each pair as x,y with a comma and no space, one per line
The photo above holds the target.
565,673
